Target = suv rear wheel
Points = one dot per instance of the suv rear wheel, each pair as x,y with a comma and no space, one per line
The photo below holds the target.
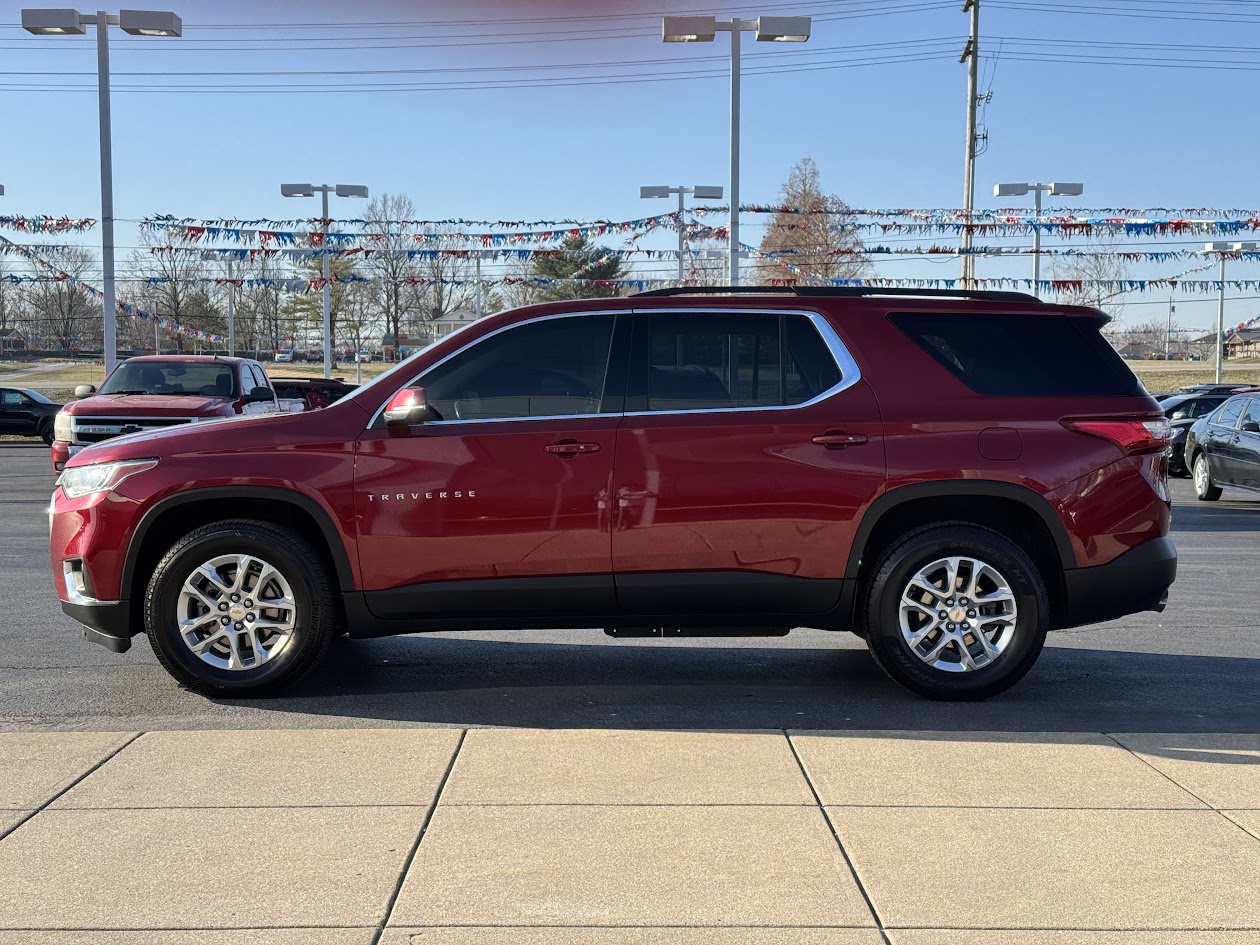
955,611
240,608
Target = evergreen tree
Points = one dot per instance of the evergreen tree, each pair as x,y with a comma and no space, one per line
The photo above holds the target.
307,309
577,255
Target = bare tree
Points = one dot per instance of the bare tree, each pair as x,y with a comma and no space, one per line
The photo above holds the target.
178,288
389,266
525,292
64,309
448,279
821,244
1093,268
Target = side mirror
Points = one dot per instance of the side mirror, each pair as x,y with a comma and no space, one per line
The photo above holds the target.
259,395
409,407
84,390
1251,427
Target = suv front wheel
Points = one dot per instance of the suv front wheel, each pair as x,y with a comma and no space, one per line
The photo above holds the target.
955,611
240,608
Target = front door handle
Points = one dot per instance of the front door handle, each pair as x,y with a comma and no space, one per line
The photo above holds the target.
836,440
571,448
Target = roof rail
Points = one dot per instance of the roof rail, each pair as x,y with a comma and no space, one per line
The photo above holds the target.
840,292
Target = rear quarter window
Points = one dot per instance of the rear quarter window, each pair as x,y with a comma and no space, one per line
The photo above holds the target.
1022,355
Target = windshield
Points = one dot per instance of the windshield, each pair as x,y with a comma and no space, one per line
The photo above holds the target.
35,395
173,379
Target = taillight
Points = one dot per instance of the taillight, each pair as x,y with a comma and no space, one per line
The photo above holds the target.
1131,435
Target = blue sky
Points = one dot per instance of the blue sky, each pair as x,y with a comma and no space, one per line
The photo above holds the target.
883,134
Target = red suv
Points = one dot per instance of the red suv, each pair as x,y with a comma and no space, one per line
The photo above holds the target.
947,475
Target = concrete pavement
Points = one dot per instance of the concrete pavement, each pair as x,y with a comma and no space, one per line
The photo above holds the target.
615,837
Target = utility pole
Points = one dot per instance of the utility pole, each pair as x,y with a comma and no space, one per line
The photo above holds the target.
971,56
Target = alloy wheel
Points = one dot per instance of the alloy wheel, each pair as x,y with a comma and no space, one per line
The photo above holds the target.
236,612
958,614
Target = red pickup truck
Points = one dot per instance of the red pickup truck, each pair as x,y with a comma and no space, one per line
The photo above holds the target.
154,392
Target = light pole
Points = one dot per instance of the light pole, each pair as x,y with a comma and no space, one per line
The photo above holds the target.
138,23
1168,334
700,192
309,190
703,29
231,308
1055,190
1222,250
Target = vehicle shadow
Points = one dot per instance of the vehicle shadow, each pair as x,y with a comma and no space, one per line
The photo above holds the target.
690,686
1232,513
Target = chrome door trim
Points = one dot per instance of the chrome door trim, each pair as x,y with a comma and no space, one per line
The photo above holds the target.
850,373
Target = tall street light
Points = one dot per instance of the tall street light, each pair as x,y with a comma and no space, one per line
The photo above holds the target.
1222,250
72,23
309,190
703,29
1054,190
701,193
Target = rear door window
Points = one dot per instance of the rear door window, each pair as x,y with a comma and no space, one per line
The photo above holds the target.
723,360
1252,414
1022,355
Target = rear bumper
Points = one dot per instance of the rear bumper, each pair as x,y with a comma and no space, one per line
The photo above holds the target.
1138,580
105,622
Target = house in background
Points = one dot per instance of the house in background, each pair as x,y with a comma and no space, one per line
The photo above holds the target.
12,339
1243,344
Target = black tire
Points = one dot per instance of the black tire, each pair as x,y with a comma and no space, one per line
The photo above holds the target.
1205,486
45,432
315,609
919,549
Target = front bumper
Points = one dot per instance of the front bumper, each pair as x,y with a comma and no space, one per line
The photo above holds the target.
1136,581
105,622
61,453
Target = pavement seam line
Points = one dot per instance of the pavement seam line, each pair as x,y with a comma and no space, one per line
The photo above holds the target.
1216,810
879,922
71,786
415,847
1246,830
1162,774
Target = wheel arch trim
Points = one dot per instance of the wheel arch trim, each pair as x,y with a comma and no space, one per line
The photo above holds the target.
970,488
320,515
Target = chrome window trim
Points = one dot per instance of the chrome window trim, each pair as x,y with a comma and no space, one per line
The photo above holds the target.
498,331
850,373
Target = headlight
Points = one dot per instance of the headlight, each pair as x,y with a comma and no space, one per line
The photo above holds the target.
61,427
78,481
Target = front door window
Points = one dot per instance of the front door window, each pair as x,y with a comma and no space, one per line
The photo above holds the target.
550,368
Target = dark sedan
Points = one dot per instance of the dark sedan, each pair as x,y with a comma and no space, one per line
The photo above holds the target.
26,413
1223,448
1182,410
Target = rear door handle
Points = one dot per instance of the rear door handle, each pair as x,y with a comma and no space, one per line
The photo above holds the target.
571,448
836,440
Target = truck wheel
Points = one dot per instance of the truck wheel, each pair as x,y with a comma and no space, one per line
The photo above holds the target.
240,608
955,611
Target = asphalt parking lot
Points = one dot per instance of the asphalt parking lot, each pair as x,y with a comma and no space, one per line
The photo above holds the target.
1193,668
